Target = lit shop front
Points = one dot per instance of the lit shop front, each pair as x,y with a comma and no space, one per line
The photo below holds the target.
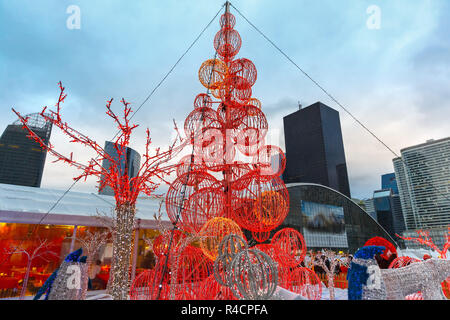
34,243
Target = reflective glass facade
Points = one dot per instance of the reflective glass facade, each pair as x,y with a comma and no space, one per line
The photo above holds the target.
21,158
388,211
358,225
423,176
314,148
388,181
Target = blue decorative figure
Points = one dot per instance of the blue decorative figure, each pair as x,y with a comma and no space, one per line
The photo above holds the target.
358,274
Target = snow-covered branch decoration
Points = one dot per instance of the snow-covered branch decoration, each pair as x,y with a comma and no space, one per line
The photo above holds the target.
334,260
40,251
92,242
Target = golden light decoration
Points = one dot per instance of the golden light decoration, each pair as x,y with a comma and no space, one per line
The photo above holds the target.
212,73
214,231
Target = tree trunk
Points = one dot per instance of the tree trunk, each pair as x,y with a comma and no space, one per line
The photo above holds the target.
122,251
111,276
331,285
25,280
85,277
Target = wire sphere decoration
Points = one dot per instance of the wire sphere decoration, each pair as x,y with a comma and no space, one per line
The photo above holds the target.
212,73
213,232
230,245
161,242
198,121
255,102
306,283
190,204
189,163
210,289
290,247
270,160
380,241
227,42
261,205
193,268
402,261
255,275
203,100
244,69
227,21
145,285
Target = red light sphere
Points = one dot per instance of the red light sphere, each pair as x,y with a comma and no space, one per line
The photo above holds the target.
195,202
401,262
145,285
210,289
202,100
305,282
290,245
261,205
380,241
161,242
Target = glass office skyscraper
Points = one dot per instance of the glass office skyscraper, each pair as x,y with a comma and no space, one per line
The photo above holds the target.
314,148
21,158
424,184
388,181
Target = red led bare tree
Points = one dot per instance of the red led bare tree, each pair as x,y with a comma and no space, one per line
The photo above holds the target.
126,188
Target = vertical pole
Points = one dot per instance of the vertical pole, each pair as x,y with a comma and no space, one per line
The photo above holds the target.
227,173
74,236
135,250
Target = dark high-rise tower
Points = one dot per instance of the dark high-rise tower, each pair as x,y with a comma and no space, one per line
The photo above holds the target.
314,148
129,165
21,158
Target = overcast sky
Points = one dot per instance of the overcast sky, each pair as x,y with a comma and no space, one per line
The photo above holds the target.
394,78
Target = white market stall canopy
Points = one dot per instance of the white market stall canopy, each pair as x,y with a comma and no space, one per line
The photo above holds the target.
20,204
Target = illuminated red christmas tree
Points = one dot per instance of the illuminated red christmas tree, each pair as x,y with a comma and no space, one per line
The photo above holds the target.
231,173
230,183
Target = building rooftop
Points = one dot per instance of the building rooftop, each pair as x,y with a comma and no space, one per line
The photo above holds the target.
317,104
33,202
429,142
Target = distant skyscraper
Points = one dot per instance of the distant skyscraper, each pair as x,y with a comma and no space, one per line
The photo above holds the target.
388,181
423,182
314,148
387,205
21,158
130,163
388,211
369,207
